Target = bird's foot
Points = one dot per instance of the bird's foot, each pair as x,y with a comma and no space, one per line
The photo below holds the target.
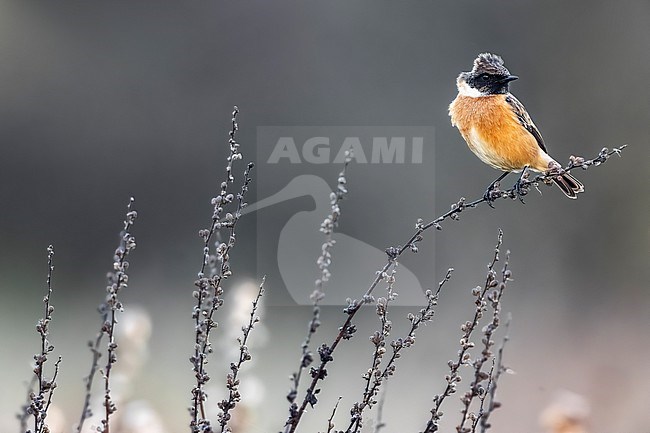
492,193
521,187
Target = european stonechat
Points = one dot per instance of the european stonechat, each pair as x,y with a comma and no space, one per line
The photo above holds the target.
497,127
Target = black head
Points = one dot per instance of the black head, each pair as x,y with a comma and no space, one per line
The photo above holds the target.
487,77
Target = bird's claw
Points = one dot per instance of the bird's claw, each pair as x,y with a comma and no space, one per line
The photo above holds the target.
521,187
520,191
492,193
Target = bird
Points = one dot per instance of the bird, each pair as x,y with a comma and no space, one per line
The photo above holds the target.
498,129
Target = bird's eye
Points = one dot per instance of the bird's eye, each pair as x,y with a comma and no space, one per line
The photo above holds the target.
484,77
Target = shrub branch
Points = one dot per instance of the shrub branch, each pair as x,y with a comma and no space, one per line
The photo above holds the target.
324,261
347,330
376,376
40,401
117,280
209,287
232,379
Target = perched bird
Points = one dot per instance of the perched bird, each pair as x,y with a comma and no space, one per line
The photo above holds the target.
497,127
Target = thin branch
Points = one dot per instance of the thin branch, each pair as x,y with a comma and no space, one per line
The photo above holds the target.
208,299
464,358
117,280
500,369
325,353
476,389
481,410
210,288
514,192
375,376
324,260
40,401
86,412
232,380
347,330
330,421
52,385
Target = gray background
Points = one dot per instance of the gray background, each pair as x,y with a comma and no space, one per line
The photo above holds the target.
101,101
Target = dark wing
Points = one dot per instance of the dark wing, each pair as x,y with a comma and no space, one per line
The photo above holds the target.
525,120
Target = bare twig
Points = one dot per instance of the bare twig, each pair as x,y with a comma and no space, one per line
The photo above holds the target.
324,261
325,354
376,376
516,192
40,401
86,412
492,404
347,330
210,288
232,380
482,397
464,357
330,420
52,384
476,388
208,295
117,280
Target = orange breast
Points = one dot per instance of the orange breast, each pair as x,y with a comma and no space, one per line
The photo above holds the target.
494,134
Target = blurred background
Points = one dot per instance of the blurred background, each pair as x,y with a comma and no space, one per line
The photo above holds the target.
100,101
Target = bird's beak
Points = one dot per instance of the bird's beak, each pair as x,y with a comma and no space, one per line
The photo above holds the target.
509,78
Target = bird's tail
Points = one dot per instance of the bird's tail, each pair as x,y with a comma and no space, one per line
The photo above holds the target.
569,185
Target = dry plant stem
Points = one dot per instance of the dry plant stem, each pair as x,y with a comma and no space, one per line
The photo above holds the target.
476,389
203,295
500,369
39,402
232,380
464,358
215,302
117,280
515,191
52,385
523,185
330,420
94,366
209,291
481,410
324,260
375,376
347,330
325,352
